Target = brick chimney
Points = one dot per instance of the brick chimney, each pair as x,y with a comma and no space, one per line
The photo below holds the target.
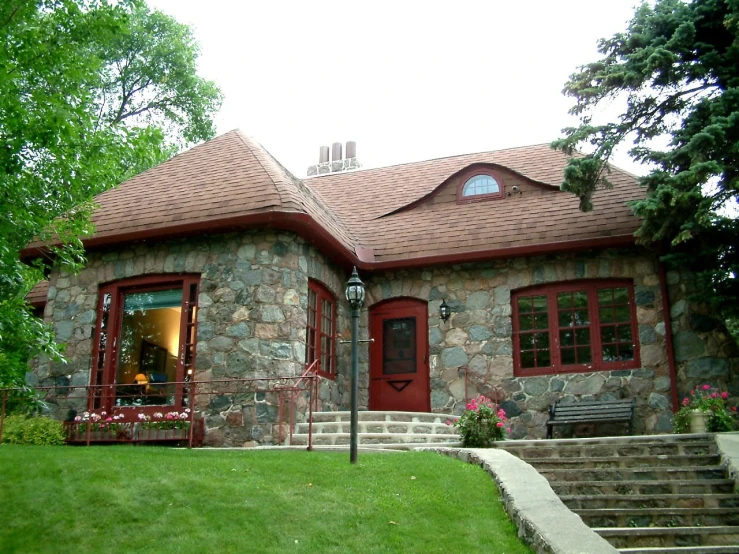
338,161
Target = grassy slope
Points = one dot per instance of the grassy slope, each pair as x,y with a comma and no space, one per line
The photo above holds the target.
127,499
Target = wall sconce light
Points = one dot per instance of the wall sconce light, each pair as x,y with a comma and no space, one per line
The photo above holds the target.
444,311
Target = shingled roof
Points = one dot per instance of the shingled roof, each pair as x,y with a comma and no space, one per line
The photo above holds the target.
226,182
372,218
509,226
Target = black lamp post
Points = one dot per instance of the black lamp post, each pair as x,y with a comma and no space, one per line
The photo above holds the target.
354,292
444,311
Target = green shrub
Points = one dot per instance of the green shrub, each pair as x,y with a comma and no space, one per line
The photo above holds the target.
21,429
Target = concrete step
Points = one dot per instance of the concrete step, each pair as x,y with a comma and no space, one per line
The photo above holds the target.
661,460
376,439
402,427
640,501
695,486
392,429
415,417
670,536
726,549
659,517
634,474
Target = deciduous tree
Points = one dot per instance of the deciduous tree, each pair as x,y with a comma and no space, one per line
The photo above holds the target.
91,92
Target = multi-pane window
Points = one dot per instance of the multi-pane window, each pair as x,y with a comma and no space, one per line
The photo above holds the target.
321,329
144,341
582,326
480,184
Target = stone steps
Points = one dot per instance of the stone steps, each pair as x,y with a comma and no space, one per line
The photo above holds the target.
375,438
635,473
662,460
657,494
695,486
656,445
389,429
681,550
643,501
670,536
659,517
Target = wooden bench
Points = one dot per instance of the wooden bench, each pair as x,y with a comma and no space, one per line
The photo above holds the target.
590,411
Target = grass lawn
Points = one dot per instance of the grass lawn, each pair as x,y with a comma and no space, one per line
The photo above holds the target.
149,499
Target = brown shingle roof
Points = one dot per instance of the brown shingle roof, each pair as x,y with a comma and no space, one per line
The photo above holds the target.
372,218
227,178
365,198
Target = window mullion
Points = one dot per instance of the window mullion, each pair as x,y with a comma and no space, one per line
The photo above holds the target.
554,331
595,335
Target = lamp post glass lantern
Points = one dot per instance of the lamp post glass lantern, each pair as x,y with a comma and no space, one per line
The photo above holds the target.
355,295
355,291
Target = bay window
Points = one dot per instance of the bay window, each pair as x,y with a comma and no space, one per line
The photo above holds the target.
144,342
320,336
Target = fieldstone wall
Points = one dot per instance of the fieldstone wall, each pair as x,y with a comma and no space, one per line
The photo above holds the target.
251,320
704,350
473,352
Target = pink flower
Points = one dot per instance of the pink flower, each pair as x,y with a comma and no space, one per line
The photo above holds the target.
448,421
706,387
499,424
508,430
725,395
78,418
109,419
686,401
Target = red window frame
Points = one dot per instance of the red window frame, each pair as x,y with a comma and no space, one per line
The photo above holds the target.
478,172
109,318
589,327
320,333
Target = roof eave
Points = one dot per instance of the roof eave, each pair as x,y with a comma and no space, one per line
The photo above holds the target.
618,241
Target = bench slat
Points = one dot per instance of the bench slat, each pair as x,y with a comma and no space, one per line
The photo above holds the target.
613,413
590,411
582,419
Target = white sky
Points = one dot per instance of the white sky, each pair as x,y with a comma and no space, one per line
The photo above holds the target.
407,80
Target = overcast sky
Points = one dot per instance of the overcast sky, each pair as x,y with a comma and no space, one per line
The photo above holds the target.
406,80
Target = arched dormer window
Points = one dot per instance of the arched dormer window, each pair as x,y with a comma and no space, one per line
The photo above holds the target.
479,184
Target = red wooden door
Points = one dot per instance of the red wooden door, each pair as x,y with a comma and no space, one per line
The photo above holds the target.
399,371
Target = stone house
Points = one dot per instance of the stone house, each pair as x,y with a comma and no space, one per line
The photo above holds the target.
221,264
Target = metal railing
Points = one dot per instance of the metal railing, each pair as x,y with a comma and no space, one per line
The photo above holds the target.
172,411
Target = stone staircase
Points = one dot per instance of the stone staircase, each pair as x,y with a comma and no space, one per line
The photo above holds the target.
651,494
379,430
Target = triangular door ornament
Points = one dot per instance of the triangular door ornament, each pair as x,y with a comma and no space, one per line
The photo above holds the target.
400,385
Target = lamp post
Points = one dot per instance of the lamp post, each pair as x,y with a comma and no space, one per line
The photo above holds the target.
354,292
